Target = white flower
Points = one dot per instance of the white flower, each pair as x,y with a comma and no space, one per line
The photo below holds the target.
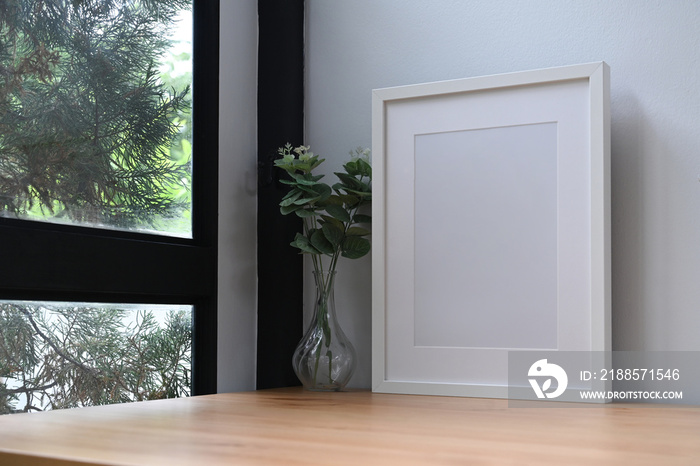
301,149
304,153
360,153
286,153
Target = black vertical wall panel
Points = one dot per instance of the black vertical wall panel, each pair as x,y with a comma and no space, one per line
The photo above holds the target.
280,120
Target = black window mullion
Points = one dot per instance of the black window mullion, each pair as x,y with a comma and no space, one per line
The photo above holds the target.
38,259
205,191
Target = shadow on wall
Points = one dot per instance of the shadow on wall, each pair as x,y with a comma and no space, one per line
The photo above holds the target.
654,230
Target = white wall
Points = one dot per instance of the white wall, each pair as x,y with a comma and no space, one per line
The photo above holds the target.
237,196
653,49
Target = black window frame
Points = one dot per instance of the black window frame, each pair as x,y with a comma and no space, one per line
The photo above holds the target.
51,262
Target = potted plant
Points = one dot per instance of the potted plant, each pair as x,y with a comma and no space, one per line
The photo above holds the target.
335,225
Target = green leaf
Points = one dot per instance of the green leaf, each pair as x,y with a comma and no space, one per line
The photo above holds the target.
324,192
291,193
308,189
349,181
333,234
302,242
334,199
352,168
361,218
364,168
316,162
289,209
299,239
358,231
363,191
289,199
349,199
305,213
305,200
319,241
333,221
307,179
338,212
354,247
365,195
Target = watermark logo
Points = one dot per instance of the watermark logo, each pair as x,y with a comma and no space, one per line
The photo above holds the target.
542,370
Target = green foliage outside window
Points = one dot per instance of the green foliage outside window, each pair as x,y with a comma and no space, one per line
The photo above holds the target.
89,130
69,356
95,128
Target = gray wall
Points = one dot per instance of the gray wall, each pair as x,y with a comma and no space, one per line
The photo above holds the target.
237,196
653,49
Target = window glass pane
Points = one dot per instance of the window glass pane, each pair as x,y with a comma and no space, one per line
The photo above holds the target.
65,355
95,120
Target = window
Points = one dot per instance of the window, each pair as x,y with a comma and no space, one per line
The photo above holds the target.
110,152
65,355
96,120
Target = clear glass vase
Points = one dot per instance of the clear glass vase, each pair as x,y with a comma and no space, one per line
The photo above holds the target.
324,359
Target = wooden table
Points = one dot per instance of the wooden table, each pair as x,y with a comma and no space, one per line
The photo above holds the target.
291,426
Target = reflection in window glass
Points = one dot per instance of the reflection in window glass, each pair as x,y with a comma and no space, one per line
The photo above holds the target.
95,121
69,355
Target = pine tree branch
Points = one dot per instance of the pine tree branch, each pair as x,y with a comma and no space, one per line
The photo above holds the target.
60,352
24,389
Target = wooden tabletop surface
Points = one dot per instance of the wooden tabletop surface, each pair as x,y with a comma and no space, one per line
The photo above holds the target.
291,426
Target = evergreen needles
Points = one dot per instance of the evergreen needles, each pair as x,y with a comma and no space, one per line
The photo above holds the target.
86,123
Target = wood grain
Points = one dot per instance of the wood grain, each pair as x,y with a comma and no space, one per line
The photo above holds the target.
291,426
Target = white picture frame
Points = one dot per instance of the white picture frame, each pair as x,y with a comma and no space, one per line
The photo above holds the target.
491,226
